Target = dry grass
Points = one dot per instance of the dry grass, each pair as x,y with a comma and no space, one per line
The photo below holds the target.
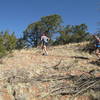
32,58
27,72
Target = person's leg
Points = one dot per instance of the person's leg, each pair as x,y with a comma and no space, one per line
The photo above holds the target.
45,50
98,52
42,47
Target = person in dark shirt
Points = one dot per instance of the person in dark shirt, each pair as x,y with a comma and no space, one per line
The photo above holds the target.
97,45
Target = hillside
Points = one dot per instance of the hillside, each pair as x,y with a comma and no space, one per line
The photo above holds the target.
28,75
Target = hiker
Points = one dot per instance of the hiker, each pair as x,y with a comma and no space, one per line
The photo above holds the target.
44,40
97,45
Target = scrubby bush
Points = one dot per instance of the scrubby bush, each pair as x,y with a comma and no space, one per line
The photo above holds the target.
91,46
7,43
73,34
2,48
20,43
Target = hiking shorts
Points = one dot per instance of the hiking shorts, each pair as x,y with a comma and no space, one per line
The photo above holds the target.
98,46
45,43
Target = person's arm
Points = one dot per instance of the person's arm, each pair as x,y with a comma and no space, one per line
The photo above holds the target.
41,38
97,38
48,38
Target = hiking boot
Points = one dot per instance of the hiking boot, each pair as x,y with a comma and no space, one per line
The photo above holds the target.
44,54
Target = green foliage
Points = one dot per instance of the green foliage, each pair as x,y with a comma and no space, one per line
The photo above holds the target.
49,24
32,34
20,43
73,33
91,46
52,24
80,33
2,48
7,43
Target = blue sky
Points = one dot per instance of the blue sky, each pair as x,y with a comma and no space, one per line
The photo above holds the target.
16,15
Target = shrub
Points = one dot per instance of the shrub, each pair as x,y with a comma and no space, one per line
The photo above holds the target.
7,43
